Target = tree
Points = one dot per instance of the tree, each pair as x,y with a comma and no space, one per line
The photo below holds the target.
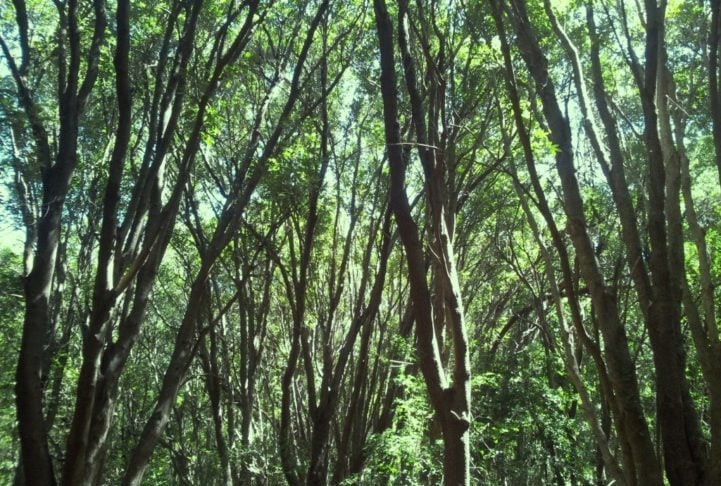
451,403
360,242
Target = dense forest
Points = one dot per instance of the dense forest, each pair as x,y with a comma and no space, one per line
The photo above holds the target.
360,242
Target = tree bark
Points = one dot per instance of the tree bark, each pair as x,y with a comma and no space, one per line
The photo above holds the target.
620,365
450,403
57,170
677,417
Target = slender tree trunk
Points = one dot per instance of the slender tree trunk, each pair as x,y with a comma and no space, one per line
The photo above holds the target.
677,417
714,41
571,363
620,365
450,403
213,386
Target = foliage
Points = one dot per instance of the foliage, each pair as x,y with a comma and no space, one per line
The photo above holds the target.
258,303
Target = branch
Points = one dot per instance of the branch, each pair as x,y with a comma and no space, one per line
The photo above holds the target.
40,135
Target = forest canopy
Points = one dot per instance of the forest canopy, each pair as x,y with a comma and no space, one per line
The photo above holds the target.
360,242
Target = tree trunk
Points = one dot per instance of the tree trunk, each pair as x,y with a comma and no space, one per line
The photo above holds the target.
620,365
677,417
450,403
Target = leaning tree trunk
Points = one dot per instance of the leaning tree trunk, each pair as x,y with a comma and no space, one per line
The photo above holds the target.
620,365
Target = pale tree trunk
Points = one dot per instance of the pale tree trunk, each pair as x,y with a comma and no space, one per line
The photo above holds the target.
209,360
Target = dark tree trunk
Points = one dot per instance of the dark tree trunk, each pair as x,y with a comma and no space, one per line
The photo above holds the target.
677,417
57,171
450,403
